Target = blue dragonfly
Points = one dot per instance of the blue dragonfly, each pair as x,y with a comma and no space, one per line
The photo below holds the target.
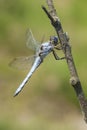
40,52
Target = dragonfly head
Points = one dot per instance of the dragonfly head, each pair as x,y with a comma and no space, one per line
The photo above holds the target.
54,40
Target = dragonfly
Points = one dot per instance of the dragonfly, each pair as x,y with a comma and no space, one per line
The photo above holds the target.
40,52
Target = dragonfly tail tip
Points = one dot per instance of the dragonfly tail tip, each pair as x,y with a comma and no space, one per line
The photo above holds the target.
15,94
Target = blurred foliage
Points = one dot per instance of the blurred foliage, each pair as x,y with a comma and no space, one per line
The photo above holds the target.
48,97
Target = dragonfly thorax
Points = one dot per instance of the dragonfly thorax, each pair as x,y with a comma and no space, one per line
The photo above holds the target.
45,49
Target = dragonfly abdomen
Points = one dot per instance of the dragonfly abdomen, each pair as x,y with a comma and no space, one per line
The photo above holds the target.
37,62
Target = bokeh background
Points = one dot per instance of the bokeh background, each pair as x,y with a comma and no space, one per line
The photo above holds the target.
47,102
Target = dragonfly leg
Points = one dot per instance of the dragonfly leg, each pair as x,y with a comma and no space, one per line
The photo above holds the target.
56,56
58,47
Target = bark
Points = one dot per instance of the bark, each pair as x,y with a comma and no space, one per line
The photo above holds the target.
64,41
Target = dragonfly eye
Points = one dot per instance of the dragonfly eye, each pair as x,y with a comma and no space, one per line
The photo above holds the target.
54,40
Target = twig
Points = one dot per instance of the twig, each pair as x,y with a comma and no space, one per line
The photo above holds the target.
64,41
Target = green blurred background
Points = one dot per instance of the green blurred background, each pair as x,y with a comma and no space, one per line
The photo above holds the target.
47,102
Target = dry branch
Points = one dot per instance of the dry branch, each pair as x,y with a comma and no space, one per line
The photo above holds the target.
64,41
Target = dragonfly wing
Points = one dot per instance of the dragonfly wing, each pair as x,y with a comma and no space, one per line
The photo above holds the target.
22,62
31,42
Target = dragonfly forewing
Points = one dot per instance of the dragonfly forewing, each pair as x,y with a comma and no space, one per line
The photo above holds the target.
31,42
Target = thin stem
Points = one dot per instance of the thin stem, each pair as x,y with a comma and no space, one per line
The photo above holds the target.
64,41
